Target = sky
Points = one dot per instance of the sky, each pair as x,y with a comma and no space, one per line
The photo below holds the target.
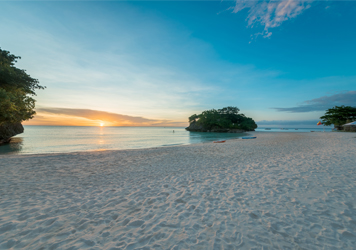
155,63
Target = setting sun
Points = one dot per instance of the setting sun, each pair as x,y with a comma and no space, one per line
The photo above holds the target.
101,124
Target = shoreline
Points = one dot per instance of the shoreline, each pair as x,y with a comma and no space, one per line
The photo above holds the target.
248,133
15,154
281,190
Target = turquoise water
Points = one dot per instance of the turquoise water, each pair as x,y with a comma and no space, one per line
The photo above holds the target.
319,129
53,139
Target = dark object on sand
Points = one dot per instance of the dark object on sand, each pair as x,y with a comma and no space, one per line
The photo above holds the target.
220,141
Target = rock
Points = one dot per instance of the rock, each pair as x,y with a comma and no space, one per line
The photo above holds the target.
9,130
194,127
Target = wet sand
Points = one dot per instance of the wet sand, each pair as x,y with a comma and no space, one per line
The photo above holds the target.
279,191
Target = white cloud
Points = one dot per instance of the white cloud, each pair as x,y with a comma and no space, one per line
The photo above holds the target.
148,69
109,73
270,14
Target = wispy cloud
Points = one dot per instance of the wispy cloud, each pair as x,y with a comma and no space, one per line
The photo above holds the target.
270,14
170,80
323,103
88,117
119,64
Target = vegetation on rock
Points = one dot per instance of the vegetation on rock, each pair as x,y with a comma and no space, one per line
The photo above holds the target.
339,115
16,89
225,118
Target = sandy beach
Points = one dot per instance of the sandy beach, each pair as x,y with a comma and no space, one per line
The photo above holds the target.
279,191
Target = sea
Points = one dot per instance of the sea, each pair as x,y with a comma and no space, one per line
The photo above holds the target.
62,139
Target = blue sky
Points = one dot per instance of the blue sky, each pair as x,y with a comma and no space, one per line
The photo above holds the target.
156,63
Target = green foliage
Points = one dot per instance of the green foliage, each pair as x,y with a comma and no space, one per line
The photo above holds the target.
339,115
193,118
227,117
248,123
15,87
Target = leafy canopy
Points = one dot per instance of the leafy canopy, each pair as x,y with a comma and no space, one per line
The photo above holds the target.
227,117
16,87
339,115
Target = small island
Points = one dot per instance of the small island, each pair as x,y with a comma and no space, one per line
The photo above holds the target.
225,120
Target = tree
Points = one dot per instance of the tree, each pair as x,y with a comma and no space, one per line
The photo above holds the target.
209,119
339,115
193,118
248,124
230,114
225,118
16,89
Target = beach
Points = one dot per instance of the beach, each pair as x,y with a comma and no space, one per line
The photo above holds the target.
279,191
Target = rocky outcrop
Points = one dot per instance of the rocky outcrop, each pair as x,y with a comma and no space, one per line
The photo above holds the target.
9,130
195,127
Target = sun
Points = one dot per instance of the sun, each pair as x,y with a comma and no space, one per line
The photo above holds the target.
101,124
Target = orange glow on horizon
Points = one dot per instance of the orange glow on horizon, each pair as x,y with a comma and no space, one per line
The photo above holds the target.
48,119
60,120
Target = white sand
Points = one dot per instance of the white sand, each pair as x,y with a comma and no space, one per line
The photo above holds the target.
280,191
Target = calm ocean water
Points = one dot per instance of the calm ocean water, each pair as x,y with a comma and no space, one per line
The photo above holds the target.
318,129
57,139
